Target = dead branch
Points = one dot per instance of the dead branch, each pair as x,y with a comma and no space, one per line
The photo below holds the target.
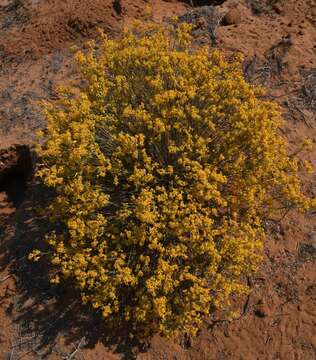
79,346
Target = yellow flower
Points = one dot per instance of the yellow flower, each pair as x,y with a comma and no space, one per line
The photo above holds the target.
164,166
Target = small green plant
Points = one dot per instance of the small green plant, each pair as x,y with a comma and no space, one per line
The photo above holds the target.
164,166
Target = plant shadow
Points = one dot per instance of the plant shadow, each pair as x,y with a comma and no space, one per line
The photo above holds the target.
47,313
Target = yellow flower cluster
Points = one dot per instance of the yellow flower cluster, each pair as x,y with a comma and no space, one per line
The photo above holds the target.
164,166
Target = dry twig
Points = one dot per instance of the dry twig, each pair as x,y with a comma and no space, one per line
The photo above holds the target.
82,343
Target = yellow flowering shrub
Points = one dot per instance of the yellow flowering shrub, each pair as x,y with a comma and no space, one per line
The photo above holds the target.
165,164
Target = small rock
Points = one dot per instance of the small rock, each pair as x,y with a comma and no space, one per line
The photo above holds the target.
233,17
277,8
261,310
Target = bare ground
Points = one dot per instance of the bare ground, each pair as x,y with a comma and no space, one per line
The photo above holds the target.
278,319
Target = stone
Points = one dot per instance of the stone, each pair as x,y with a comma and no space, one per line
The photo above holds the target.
232,17
261,310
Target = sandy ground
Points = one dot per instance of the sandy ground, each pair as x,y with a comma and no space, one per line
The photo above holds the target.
278,319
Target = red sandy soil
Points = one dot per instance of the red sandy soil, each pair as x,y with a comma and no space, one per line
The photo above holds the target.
278,319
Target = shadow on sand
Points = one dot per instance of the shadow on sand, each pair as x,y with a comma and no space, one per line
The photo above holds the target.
44,314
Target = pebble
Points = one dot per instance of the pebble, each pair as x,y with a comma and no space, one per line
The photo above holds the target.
233,17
